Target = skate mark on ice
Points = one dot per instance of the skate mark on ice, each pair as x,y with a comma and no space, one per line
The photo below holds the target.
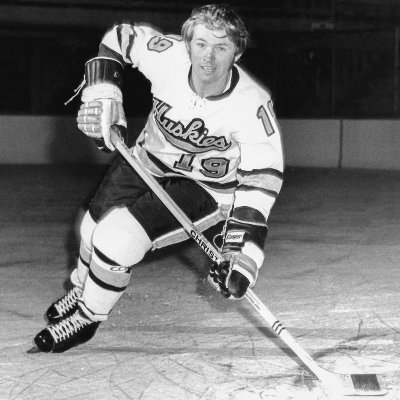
176,377
15,313
386,324
26,381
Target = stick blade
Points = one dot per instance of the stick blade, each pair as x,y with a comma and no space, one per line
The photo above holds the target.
366,382
361,385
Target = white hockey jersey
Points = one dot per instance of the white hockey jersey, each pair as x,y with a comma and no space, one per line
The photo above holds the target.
230,143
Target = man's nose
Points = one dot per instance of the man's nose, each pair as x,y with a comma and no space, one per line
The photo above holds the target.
209,53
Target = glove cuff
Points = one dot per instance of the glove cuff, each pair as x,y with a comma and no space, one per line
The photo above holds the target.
102,91
103,70
244,264
103,79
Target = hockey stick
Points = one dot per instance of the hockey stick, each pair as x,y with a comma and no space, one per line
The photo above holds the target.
346,384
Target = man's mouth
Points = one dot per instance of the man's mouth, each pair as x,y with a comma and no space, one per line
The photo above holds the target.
207,69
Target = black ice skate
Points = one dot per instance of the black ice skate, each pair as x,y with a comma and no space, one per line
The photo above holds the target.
69,332
64,306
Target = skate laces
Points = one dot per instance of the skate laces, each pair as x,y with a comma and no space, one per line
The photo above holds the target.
68,301
67,327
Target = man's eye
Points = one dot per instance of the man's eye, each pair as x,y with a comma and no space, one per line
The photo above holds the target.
220,48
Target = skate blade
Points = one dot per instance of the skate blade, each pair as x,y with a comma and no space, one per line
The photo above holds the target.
34,350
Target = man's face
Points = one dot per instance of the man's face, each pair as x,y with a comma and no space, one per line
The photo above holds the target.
212,54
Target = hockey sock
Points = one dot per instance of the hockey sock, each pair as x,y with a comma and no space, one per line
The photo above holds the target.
85,255
105,284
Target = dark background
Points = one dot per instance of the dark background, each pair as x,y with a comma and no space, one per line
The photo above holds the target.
320,59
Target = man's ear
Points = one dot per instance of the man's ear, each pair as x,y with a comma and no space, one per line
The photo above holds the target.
237,56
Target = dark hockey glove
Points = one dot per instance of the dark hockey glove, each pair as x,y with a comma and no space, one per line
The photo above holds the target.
244,237
233,276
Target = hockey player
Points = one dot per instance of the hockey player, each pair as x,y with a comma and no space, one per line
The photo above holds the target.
211,140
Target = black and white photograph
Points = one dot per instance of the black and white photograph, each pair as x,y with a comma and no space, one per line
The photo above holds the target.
199,200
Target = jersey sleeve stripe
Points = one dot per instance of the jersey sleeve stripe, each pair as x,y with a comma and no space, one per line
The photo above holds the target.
267,171
270,193
126,38
260,180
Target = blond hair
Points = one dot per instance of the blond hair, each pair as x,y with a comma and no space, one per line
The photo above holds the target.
216,17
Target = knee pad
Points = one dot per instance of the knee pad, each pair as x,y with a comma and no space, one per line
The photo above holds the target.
121,238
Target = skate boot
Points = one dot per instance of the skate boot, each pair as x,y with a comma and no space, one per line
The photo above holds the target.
64,306
69,332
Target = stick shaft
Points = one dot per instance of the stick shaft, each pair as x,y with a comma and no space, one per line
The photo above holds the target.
215,255
280,329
